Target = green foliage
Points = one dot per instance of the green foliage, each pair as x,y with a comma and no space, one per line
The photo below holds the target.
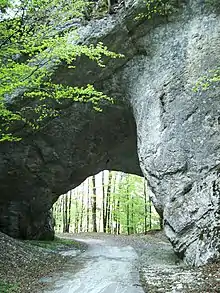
34,39
205,82
6,287
131,197
127,206
156,7
4,4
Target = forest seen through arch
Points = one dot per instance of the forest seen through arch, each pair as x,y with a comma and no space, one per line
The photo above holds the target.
110,202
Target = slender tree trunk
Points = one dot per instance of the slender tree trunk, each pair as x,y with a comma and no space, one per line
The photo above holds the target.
100,221
81,216
128,214
77,213
118,218
114,204
104,203
108,208
119,205
60,212
114,217
132,215
128,206
65,213
69,212
94,205
150,214
87,210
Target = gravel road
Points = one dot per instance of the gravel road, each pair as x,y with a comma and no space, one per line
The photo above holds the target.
113,264
107,268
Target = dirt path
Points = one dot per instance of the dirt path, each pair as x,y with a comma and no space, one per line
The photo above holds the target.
107,268
114,264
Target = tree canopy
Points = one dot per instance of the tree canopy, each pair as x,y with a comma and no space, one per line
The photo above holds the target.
35,37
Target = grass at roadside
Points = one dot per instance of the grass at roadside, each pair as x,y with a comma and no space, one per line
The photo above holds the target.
57,244
8,288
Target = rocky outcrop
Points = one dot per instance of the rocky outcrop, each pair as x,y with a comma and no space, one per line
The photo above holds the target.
176,129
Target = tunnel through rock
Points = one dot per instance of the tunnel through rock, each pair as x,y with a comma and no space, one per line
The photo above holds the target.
79,143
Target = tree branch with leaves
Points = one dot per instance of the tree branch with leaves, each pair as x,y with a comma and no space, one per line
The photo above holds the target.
34,40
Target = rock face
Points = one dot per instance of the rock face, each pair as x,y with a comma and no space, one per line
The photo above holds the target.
157,123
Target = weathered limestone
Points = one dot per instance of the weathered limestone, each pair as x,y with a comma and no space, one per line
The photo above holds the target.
177,129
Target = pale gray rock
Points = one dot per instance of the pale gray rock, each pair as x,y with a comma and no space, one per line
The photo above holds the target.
157,122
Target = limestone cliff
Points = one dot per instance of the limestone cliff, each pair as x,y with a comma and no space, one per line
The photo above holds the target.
157,122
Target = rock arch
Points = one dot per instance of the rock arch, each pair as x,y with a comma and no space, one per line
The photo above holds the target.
177,130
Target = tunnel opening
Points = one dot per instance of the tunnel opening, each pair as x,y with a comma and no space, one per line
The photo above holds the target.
109,202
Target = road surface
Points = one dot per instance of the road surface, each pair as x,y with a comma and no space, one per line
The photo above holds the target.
105,268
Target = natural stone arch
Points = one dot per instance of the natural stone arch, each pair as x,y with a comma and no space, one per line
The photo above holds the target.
74,146
177,129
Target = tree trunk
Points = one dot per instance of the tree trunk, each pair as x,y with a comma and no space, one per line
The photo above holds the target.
150,214
120,176
87,210
94,205
104,203
69,210
77,214
81,215
65,213
128,214
108,207
60,212
128,206
132,215
118,218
